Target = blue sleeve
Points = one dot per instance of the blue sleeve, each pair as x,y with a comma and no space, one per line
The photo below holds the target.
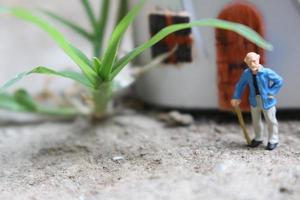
240,86
277,82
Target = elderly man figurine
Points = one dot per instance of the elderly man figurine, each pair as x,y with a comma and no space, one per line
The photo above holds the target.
264,83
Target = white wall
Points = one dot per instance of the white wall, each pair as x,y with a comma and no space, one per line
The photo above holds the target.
195,85
178,87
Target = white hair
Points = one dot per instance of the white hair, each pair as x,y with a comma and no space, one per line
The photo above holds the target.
251,55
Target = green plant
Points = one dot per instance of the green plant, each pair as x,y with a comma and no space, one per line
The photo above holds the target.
21,101
95,36
97,73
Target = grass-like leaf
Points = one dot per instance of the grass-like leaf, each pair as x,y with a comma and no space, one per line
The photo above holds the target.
114,42
89,12
101,27
122,10
75,54
44,70
76,28
21,101
58,111
97,63
216,23
83,57
8,102
24,99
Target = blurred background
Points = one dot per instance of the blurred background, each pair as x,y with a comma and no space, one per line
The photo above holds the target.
152,153
199,83
208,81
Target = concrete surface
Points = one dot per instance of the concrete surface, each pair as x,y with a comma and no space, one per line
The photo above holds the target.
135,156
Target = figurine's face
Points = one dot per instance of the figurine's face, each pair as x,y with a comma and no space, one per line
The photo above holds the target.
252,60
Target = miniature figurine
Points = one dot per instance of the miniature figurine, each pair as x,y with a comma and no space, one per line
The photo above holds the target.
264,83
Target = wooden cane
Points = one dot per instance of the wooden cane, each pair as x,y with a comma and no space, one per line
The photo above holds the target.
242,123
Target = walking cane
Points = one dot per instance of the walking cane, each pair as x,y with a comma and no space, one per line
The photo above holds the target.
242,123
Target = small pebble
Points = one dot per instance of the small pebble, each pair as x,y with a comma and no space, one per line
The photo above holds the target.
118,158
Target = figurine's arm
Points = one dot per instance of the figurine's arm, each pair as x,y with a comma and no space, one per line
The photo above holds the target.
240,87
277,82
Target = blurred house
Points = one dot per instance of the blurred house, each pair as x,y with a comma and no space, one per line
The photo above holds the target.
207,80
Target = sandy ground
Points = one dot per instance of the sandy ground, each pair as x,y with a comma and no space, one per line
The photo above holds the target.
207,160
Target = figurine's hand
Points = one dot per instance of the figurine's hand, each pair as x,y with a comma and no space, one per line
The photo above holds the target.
270,96
235,102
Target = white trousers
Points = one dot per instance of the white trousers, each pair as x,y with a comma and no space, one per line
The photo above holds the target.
270,117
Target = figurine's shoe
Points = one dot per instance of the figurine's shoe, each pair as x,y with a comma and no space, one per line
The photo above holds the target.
254,143
271,146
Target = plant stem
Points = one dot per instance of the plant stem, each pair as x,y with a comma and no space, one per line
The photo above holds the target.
101,99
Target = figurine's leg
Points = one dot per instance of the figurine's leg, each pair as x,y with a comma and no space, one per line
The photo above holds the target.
270,116
257,123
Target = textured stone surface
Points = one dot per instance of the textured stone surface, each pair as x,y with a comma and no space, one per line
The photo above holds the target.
207,160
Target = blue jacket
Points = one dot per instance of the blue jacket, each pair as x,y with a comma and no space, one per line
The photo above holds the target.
268,83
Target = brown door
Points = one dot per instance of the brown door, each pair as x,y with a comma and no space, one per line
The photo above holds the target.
232,48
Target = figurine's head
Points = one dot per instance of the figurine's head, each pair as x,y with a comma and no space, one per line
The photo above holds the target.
252,60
